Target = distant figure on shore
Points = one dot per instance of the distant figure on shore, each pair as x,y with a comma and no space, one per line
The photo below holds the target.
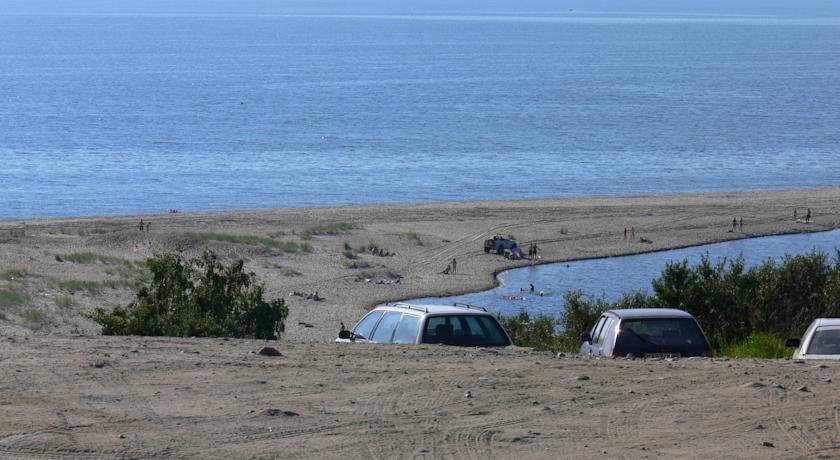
633,233
148,225
808,215
625,233
741,224
454,265
141,225
794,214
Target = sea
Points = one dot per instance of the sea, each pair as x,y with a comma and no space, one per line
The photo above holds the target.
129,106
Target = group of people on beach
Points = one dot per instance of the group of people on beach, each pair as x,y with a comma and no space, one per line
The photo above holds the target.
146,225
737,224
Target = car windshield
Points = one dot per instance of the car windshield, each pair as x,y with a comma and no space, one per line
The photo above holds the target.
465,331
658,335
825,342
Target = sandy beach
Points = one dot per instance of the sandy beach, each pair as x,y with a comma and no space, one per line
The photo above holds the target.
127,397
53,271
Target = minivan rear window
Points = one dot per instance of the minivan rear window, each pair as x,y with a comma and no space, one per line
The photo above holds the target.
660,335
465,331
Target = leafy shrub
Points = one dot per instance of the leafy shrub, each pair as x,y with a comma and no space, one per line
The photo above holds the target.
538,332
200,297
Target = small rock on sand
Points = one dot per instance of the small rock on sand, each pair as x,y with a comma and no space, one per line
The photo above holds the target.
276,412
582,377
804,389
269,351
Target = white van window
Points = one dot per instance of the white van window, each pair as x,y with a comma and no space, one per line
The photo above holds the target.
604,331
597,329
386,326
407,329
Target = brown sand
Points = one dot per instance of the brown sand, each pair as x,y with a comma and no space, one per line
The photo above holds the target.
213,398
424,237
82,397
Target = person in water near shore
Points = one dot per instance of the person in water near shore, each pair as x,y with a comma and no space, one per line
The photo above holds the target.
531,287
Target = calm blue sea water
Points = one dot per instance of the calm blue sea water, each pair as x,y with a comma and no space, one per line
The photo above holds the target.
115,108
614,276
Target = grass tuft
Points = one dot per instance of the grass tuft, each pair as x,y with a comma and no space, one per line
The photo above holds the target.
9,298
36,319
414,236
14,275
92,258
757,345
64,302
327,229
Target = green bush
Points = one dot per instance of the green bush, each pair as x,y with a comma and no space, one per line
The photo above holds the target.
10,298
200,297
538,332
757,345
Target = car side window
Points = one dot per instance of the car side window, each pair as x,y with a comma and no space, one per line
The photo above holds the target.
386,327
407,329
597,329
605,329
365,326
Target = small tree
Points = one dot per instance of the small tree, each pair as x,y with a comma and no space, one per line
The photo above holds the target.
200,297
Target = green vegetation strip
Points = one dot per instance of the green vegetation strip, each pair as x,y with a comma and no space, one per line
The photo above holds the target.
253,240
92,258
327,229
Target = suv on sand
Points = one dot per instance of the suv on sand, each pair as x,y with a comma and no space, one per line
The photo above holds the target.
820,341
460,325
646,333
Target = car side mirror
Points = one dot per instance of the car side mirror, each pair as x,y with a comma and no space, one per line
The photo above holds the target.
585,337
345,335
792,343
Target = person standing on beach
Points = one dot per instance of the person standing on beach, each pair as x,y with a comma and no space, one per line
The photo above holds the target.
148,224
625,233
454,266
734,224
794,213
741,224
141,225
633,233
808,215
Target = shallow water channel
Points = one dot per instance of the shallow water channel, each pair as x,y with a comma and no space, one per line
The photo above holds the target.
613,276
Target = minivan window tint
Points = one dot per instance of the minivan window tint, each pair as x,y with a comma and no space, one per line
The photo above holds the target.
825,342
407,329
660,335
465,330
365,326
386,326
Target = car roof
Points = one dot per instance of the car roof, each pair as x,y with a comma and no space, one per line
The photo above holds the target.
649,313
827,322
458,308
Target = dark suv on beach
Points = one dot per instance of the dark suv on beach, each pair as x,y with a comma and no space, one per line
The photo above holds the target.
646,333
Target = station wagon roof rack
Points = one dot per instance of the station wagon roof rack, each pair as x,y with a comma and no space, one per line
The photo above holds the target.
468,306
409,306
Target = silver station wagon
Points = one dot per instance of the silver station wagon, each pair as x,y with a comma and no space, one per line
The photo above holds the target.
646,332
461,325
820,341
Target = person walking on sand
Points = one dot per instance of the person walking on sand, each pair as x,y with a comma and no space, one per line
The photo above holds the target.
454,265
741,224
808,215
734,224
